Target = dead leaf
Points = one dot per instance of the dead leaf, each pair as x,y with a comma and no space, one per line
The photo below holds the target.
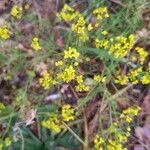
146,105
143,134
60,42
5,4
138,147
92,125
27,114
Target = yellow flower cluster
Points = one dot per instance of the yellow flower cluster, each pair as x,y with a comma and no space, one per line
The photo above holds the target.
35,44
121,46
104,32
2,107
99,78
68,13
129,113
98,143
122,80
59,63
90,27
133,75
16,11
143,54
101,13
118,136
46,81
52,123
115,145
80,29
67,75
81,87
71,53
4,33
145,79
101,43
68,113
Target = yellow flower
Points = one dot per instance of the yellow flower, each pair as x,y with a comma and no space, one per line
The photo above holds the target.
80,29
7,141
79,79
4,33
16,11
35,44
68,113
114,145
46,81
52,123
129,113
145,79
98,143
121,46
99,78
68,13
67,75
122,80
143,54
71,53
59,63
101,43
133,75
81,87
90,27
104,32
128,119
101,13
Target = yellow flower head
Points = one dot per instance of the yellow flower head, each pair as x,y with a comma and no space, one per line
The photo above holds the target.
68,113
71,53
101,13
99,78
81,87
52,123
4,33
142,53
104,32
68,13
59,63
35,44
145,79
67,75
90,27
121,46
46,81
98,142
80,29
129,113
133,75
16,11
101,43
122,80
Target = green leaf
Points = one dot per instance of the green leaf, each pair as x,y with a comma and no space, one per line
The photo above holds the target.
68,141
